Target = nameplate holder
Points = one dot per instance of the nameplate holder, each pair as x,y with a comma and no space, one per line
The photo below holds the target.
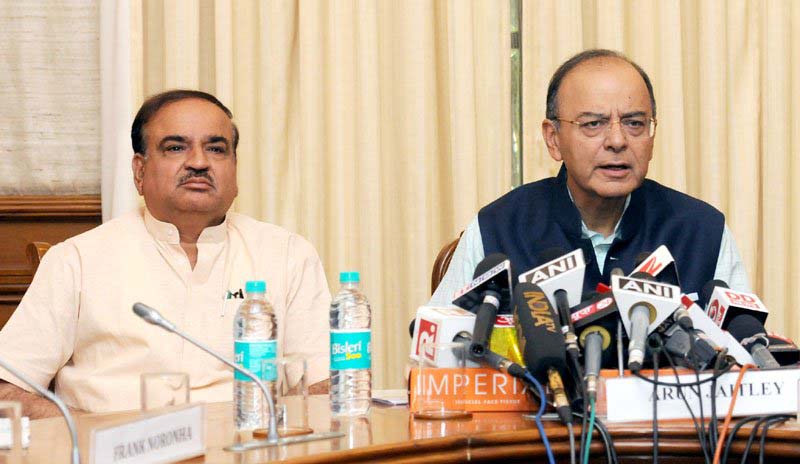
761,392
166,435
7,436
471,389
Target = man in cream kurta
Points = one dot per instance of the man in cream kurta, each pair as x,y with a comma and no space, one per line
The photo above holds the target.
75,323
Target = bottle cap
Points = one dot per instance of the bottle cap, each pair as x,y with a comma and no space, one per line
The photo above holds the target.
348,277
255,286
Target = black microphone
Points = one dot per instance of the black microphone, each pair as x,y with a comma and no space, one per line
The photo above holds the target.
73,432
561,278
490,358
691,347
752,335
783,349
724,304
595,321
659,264
542,344
488,292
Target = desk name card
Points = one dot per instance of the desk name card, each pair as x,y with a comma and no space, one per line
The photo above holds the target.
167,436
761,392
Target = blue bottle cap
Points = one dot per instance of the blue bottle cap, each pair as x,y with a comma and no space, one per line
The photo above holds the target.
255,286
348,277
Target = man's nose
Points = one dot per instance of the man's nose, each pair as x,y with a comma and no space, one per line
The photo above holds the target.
616,140
197,158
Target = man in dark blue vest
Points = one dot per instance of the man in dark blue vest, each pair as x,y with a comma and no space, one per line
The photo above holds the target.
600,124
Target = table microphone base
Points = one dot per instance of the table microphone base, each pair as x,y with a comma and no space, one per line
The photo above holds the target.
262,434
256,444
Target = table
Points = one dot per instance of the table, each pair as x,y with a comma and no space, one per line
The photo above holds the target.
391,435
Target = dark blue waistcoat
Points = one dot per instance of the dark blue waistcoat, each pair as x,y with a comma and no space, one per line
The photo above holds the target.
540,215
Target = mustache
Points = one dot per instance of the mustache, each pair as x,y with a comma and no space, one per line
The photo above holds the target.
195,175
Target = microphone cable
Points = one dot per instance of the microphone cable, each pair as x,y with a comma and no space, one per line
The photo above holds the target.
538,417
734,431
700,427
705,442
654,425
585,458
571,431
608,441
714,422
766,421
762,445
728,416
742,422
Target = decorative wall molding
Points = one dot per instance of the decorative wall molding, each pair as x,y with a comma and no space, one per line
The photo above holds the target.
46,206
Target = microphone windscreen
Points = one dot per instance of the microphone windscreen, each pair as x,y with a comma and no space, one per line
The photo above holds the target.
550,254
487,263
709,287
541,341
640,258
642,275
744,326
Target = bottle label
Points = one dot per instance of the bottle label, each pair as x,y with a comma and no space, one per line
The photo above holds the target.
351,349
251,354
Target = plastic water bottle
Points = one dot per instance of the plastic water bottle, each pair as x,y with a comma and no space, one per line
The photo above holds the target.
351,360
255,336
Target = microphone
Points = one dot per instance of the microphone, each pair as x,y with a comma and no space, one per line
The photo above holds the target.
542,343
751,334
718,336
783,349
562,281
438,324
488,292
595,321
643,306
73,432
659,264
154,317
491,359
725,304
692,347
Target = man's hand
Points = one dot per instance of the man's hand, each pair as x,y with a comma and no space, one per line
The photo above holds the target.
33,405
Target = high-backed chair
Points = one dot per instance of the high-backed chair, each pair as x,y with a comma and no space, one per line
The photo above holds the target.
35,251
442,262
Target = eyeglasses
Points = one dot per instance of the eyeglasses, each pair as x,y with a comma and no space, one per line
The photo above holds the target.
634,126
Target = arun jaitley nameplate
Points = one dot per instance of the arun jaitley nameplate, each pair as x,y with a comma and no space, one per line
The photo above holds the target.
761,392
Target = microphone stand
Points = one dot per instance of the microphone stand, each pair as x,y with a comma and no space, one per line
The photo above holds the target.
154,317
73,432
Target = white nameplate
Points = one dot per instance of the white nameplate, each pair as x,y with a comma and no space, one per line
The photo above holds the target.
165,437
6,434
761,392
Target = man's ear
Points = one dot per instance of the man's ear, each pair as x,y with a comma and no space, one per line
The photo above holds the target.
137,165
550,135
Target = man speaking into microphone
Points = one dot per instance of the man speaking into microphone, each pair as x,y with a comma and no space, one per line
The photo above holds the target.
600,124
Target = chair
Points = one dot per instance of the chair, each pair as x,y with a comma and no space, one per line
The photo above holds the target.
35,251
442,262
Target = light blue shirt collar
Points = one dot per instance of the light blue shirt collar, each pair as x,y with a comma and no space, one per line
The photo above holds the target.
601,244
